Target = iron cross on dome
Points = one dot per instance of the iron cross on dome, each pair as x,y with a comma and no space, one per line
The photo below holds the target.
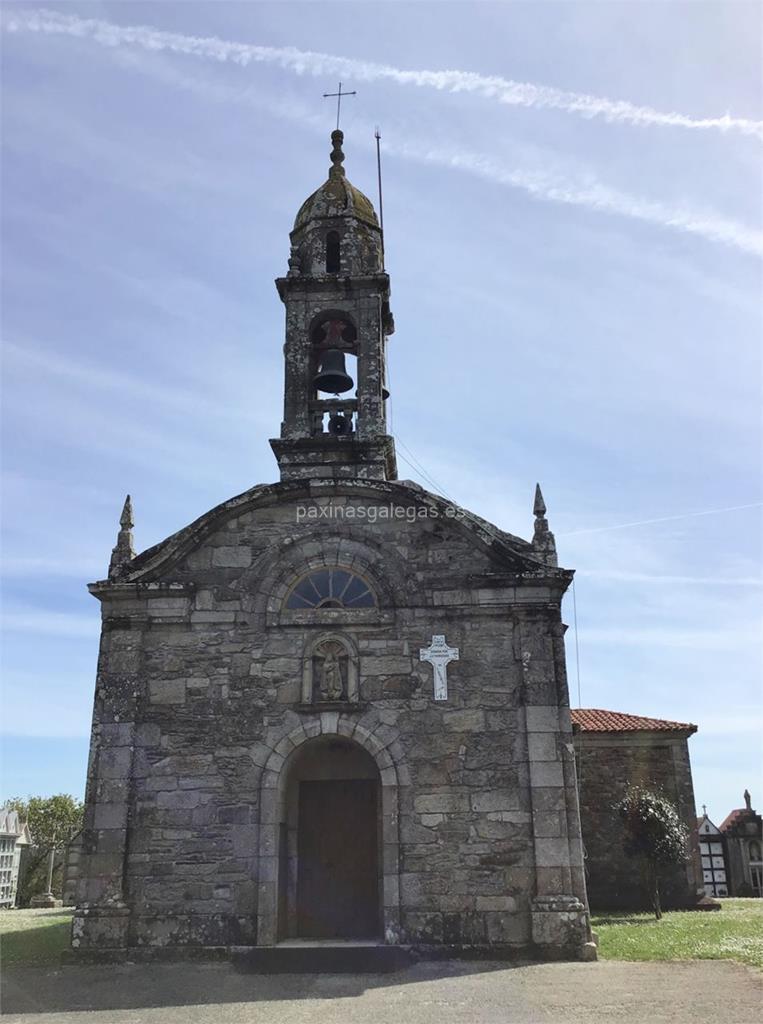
339,95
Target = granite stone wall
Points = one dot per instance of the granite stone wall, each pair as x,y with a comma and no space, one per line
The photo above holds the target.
607,764
200,707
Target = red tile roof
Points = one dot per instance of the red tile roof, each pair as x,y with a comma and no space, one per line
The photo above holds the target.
731,818
597,720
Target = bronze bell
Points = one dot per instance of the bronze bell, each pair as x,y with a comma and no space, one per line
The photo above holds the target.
339,424
332,377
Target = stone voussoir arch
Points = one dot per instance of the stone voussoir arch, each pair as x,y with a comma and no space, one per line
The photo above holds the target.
283,566
383,744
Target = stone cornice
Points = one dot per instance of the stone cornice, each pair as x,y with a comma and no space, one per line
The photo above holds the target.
126,590
377,283
631,737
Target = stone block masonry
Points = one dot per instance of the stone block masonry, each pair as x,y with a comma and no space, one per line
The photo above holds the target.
201,720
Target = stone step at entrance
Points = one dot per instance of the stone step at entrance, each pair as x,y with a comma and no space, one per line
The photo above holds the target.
321,957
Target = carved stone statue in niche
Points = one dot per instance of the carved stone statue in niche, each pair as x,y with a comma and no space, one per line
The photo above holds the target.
330,671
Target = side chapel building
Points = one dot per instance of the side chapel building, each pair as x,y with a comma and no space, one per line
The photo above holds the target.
314,723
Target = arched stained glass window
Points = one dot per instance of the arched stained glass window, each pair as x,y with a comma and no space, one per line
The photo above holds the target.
331,588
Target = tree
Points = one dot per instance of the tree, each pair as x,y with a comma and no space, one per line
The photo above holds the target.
53,822
655,834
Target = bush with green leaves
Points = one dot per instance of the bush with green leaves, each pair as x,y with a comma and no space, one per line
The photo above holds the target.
655,834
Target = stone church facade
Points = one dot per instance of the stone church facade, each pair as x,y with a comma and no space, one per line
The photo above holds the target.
334,706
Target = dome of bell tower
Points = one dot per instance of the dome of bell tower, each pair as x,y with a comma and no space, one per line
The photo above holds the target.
336,197
336,231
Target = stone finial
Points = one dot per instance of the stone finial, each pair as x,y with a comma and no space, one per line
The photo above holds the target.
704,810
539,505
543,539
124,552
747,800
295,262
126,520
337,156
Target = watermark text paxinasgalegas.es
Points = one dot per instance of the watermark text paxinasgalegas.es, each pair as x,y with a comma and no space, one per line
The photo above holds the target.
377,513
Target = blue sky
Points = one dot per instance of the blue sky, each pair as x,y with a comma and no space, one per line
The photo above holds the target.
573,229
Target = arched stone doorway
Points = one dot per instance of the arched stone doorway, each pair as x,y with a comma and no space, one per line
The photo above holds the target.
330,856
381,758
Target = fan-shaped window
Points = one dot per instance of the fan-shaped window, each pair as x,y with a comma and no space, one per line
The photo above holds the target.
331,588
333,260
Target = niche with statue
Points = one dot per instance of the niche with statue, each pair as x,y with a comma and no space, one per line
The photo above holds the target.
330,671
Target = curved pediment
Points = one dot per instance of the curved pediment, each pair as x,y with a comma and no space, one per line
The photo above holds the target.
367,505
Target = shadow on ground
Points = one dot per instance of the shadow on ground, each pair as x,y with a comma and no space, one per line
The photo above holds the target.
36,940
143,986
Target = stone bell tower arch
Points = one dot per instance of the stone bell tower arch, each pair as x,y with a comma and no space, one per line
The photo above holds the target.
336,295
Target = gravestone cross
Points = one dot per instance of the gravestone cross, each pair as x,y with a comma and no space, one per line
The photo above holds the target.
439,655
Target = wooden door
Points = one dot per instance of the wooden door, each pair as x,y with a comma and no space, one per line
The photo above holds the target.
337,868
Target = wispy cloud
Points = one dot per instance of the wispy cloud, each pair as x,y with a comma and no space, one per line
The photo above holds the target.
491,87
98,379
135,426
593,195
45,623
65,692
79,569
674,636
743,720
647,577
551,184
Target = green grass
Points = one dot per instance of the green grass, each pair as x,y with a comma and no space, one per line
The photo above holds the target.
735,932
33,938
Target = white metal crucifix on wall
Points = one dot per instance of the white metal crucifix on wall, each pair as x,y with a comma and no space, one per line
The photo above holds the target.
440,656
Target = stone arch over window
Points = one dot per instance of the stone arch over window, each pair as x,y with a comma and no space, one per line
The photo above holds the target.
330,670
271,579
384,746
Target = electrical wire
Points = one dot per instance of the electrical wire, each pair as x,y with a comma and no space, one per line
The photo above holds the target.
577,677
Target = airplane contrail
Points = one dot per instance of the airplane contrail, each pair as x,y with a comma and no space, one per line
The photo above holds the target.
555,184
492,87
662,519
549,185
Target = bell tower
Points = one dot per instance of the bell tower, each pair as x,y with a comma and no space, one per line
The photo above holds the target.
336,294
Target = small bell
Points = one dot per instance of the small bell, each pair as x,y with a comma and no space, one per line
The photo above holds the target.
332,377
339,424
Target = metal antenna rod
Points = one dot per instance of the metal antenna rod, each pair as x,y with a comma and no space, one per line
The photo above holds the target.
377,136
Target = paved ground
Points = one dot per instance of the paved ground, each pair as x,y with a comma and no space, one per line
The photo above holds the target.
429,993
